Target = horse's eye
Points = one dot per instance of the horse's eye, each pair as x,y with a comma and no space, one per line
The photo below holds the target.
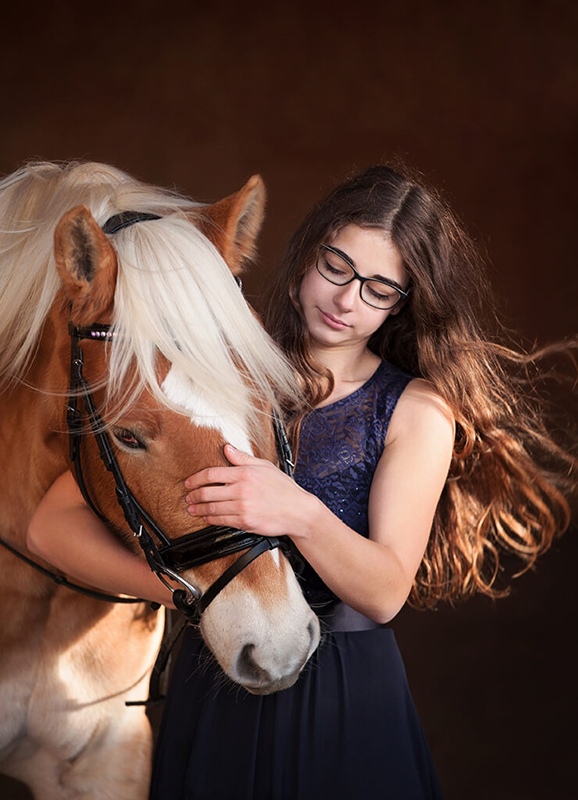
129,439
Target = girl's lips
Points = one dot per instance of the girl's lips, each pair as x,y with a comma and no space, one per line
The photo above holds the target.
333,322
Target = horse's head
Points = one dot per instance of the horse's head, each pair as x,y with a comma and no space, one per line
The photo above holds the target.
187,369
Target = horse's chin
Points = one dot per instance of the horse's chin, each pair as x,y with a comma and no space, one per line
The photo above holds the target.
276,686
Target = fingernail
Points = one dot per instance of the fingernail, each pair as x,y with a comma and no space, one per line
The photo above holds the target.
230,446
187,485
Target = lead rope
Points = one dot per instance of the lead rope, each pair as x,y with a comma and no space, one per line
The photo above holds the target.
161,668
60,580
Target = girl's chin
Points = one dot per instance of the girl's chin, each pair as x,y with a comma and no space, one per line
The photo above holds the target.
327,334
330,338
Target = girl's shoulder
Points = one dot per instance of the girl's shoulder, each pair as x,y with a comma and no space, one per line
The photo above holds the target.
421,410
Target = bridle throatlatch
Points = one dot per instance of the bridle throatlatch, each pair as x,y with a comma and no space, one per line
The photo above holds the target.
167,558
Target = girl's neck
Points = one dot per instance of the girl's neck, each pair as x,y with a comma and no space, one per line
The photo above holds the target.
350,367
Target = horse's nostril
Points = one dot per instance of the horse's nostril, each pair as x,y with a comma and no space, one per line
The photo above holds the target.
248,670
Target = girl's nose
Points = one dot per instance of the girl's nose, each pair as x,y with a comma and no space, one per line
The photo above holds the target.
346,296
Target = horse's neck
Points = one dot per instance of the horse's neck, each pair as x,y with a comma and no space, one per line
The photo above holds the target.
32,440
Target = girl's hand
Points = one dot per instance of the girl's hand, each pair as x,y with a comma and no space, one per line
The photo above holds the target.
252,495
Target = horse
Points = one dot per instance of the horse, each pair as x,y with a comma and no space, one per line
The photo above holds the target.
179,365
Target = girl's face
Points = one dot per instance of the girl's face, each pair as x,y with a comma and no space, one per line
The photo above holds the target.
336,315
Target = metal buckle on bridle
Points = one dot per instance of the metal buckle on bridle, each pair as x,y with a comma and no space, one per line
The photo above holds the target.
193,590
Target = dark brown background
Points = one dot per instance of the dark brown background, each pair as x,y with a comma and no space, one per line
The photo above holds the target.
481,98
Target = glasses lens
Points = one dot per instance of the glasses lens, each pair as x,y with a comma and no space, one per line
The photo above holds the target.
334,268
337,271
379,295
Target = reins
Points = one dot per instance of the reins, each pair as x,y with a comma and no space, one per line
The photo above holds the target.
60,580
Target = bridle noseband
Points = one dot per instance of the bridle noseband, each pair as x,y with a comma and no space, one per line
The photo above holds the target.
167,558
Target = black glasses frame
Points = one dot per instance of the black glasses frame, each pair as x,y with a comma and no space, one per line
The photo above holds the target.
402,295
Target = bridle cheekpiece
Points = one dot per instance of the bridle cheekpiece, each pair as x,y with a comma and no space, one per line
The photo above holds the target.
167,558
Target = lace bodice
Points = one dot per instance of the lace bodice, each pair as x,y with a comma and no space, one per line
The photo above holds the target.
339,448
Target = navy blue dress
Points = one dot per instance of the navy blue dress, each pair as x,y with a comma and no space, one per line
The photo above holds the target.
347,729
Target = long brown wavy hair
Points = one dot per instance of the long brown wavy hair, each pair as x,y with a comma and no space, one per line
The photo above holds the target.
509,481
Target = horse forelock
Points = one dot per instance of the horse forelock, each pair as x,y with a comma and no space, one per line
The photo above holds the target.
174,296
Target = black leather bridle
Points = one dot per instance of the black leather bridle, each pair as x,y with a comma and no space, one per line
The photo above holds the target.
167,558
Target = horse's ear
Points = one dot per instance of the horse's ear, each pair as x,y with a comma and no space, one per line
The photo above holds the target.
233,224
87,265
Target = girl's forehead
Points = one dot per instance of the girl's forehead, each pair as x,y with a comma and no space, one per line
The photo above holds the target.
372,252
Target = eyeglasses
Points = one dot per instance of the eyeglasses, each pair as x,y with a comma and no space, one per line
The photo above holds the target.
376,292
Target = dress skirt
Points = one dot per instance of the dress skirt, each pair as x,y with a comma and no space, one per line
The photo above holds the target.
346,730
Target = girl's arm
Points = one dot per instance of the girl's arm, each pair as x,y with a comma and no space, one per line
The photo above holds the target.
372,575
66,533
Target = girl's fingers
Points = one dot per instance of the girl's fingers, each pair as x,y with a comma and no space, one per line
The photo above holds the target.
239,458
209,476
229,508
210,494
226,520
225,475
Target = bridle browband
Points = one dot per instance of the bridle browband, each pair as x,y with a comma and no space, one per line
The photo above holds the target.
167,558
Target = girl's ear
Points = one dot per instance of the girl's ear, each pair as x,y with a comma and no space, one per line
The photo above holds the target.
397,308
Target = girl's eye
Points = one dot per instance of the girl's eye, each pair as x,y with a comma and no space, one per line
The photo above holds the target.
334,270
378,292
129,439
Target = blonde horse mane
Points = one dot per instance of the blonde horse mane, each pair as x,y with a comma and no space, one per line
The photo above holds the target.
175,295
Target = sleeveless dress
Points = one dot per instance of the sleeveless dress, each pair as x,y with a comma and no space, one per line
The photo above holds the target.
347,729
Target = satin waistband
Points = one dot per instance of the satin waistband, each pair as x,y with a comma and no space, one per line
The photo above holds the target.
342,618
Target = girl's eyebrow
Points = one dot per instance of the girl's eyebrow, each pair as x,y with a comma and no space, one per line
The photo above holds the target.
351,262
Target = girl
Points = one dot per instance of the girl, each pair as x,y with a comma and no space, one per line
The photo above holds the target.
379,284
419,460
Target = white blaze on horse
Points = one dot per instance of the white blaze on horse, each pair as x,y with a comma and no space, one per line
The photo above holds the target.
184,367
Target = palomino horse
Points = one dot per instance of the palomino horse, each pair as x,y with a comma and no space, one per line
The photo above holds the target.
186,367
